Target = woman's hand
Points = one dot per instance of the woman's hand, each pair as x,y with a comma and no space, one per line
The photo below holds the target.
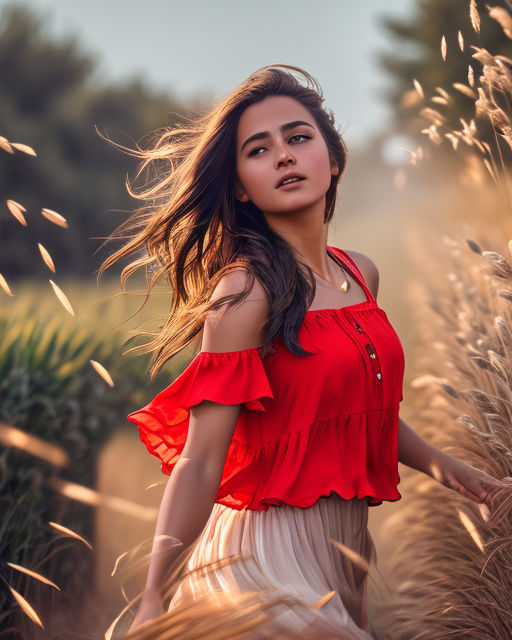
151,606
470,482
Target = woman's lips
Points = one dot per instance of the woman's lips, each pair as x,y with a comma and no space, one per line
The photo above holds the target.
293,183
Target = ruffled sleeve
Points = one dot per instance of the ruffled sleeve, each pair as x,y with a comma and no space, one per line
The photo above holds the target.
229,377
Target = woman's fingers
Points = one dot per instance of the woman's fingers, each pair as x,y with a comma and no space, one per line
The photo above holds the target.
485,512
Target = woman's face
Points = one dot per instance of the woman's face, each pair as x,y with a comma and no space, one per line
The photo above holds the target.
265,152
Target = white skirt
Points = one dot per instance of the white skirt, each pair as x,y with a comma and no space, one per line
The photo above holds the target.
286,551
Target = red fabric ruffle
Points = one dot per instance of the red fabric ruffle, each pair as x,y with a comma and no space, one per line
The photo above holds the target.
230,377
352,454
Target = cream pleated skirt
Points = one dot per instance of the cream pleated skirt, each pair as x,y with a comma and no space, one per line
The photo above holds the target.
287,551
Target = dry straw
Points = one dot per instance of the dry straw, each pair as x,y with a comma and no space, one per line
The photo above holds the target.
491,93
452,564
451,568
222,615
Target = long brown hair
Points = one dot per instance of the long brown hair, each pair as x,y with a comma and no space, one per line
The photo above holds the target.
194,230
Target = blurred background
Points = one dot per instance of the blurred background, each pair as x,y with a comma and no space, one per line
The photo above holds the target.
72,71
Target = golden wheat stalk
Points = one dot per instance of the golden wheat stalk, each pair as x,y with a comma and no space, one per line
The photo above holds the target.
33,574
102,372
494,82
418,88
69,532
13,437
16,209
26,607
61,296
54,217
503,18
5,286
462,407
46,257
6,145
24,148
474,16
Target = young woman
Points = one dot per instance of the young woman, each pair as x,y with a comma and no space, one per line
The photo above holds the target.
284,429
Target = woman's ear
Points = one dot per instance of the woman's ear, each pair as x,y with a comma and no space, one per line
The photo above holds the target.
240,193
334,167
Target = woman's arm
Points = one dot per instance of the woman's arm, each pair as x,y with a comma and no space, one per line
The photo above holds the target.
451,472
188,497
414,452
191,489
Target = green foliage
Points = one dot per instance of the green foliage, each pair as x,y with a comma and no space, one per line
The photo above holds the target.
52,100
49,389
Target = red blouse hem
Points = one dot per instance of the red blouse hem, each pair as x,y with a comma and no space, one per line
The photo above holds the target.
263,503
242,483
352,454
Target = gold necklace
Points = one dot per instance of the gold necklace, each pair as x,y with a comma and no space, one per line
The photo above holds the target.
346,284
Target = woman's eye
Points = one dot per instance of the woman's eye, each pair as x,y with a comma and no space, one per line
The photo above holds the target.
297,135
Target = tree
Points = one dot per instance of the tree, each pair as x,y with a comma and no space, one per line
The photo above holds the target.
417,55
50,101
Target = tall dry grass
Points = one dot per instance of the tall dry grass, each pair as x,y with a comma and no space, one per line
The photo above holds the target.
451,569
491,92
221,615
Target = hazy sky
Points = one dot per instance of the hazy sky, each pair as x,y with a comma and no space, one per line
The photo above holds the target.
195,46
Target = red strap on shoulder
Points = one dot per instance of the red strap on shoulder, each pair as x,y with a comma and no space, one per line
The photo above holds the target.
347,261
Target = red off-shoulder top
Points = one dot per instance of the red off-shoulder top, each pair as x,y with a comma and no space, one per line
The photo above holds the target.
309,425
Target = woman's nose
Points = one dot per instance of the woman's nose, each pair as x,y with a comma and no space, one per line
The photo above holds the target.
284,156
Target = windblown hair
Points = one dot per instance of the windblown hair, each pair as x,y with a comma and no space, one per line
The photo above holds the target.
194,230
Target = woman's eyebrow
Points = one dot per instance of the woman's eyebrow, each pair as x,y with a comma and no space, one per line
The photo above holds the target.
283,127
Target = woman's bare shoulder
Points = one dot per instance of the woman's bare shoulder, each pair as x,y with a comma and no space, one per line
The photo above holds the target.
368,268
236,326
